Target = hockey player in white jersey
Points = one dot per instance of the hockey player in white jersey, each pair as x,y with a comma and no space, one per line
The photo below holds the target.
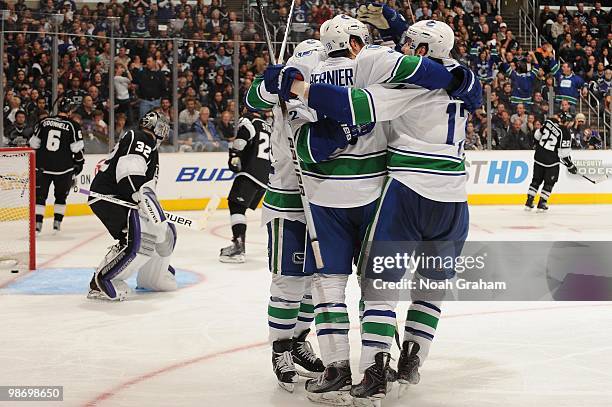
290,308
343,190
425,192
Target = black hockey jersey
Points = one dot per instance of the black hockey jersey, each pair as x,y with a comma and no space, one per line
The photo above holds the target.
554,142
61,145
255,156
133,161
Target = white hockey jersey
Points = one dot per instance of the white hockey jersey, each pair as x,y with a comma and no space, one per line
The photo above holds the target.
426,136
354,176
282,199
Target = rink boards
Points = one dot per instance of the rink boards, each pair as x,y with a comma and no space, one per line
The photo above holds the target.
188,180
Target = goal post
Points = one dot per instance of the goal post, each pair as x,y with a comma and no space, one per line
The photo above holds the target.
17,208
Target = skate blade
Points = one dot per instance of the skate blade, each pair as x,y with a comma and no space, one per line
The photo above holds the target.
334,398
373,401
307,373
290,387
234,259
528,209
542,210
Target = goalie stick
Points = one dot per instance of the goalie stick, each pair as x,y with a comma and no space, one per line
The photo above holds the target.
312,233
172,217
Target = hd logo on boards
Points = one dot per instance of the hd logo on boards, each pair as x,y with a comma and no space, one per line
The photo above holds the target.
497,171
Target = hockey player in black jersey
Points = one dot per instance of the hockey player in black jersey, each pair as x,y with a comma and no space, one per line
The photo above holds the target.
249,159
59,159
553,145
145,239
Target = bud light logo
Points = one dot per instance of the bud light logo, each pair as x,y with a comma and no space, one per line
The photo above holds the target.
202,174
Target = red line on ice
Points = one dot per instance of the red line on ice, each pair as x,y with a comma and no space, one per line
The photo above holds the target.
55,257
139,379
112,392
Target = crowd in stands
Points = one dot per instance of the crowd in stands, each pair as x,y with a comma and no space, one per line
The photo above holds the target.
575,57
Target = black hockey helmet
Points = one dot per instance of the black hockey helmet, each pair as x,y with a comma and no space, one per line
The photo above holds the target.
565,117
66,105
157,123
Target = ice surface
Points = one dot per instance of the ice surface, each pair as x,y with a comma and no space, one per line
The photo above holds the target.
205,345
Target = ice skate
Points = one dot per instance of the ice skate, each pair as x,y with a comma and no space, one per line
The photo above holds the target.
304,357
38,227
234,253
282,363
94,291
529,203
408,366
542,206
375,383
57,226
332,386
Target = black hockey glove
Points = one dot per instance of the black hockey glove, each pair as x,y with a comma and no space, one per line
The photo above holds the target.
571,167
234,163
76,169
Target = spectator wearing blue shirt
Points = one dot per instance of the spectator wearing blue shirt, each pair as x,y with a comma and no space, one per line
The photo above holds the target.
568,86
207,137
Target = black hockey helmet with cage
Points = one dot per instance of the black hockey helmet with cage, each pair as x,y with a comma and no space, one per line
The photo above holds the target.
156,123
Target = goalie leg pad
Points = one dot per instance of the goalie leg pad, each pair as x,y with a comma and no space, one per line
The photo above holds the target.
123,260
157,274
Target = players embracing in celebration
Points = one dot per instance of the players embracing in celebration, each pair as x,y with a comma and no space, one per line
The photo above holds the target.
554,145
249,159
145,239
427,172
59,159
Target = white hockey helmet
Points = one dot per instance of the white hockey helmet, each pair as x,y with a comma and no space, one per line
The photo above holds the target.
438,36
336,33
306,47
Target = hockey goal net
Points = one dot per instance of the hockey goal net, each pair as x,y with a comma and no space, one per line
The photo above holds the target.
17,207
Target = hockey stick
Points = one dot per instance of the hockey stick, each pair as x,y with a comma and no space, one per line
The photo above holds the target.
594,181
172,217
314,241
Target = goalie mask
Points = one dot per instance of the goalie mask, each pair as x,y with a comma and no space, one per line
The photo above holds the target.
157,124
436,36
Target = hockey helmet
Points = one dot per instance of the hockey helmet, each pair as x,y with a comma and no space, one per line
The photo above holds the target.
306,47
66,105
437,36
336,33
156,123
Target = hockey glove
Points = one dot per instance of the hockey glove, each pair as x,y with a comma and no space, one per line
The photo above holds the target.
35,142
285,79
77,168
271,78
234,163
571,167
390,24
466,87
